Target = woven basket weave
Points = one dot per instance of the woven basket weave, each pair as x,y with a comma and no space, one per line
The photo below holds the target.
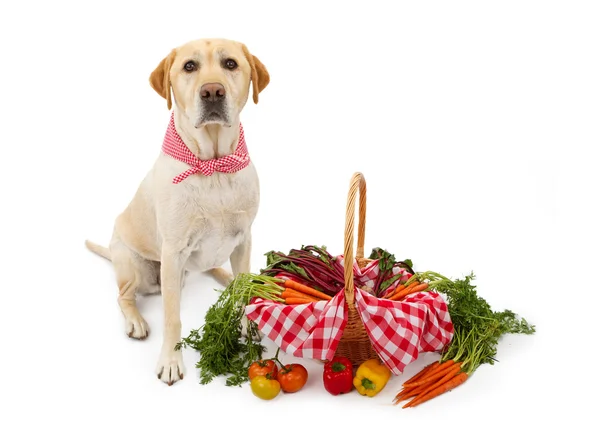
355,344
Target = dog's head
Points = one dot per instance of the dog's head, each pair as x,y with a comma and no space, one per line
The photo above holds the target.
210,80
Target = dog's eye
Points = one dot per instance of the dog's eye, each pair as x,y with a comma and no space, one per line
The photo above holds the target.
190,66
230,64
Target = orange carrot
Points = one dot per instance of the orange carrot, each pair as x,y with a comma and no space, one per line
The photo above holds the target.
422,372
412,391
431,387
405,288
441,370
305,289
410,290
297,301
288,292
452,383
391,291
433,378
406,394
441,366
401,289
419,385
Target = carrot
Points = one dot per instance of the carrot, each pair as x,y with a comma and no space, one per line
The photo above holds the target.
404,290
401,289
432,378
305,289
407,393
452,383
422,372
297,301
442,366
391,291
288,292
417,387
451,374
439,371
412,391
415,288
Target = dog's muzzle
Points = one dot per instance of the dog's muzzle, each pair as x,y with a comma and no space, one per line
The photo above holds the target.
213,103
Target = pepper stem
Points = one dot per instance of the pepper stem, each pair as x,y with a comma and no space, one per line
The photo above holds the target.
367,383
338,367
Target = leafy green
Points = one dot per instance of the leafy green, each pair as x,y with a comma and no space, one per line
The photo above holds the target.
477,327
311,264
387,262
222,352
386,259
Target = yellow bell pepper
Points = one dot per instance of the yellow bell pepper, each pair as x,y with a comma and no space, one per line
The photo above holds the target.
371,376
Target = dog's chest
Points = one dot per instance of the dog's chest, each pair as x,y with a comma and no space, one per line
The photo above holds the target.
220,214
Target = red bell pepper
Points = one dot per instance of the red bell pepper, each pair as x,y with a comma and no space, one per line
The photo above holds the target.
337,376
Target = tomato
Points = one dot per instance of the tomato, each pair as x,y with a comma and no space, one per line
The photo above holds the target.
261,368
265,387
292,377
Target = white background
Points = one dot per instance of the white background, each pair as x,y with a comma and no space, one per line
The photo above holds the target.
473,122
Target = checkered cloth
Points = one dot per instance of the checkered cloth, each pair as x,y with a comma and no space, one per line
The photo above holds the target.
399,331
365,278
174,146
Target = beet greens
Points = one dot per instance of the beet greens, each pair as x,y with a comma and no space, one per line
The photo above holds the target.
387,262
310,264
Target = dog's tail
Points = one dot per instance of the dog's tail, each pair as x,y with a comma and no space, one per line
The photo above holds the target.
223,277
98,249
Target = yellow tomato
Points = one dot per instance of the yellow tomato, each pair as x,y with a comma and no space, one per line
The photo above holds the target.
265,387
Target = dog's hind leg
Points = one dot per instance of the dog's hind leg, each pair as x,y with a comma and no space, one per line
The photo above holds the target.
150,283
131,270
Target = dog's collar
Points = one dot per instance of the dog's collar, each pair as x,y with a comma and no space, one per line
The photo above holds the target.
174,146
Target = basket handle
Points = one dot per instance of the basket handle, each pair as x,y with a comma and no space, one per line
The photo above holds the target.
357,183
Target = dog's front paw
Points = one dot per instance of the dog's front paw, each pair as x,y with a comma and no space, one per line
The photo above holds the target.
170,367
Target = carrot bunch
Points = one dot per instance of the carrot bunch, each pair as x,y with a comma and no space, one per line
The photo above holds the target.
295,293
477,329
458,361
433,380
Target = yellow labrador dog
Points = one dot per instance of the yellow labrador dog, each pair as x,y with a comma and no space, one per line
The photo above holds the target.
195,207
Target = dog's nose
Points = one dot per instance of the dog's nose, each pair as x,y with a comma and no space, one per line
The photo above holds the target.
212,92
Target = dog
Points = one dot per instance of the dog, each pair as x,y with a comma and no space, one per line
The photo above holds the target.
195,207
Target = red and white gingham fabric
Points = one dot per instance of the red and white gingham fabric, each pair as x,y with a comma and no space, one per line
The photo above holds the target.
174,146
399,331
365,278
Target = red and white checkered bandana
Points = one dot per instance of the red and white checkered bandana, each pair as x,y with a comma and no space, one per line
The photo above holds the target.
174,146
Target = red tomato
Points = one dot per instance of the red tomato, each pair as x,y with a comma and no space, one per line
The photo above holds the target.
262,368
292,377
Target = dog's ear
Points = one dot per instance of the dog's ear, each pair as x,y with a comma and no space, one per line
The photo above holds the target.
160,80
258,74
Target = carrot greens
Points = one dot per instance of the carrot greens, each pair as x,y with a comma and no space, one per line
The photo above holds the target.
219,341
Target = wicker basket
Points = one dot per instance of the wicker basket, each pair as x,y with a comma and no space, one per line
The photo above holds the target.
355,344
